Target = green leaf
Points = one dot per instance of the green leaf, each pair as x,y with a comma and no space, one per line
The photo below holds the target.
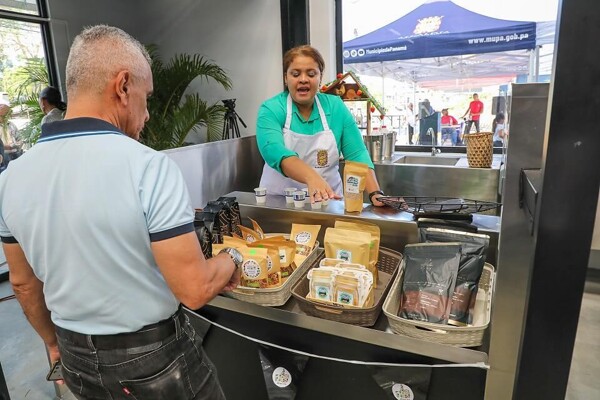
173,114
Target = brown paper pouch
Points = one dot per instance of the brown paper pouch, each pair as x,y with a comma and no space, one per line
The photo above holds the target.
355,178
254,268
305,237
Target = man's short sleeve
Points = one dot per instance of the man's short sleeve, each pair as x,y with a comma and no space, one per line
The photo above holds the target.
165,199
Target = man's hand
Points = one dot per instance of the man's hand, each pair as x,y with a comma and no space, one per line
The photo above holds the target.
54,355
234,281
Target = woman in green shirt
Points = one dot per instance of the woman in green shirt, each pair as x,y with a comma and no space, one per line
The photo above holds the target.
301,133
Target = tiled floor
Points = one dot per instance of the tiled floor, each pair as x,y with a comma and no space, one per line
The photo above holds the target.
25,364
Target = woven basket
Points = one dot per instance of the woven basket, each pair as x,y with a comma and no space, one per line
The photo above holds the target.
460,336
278,296
387,265
479,149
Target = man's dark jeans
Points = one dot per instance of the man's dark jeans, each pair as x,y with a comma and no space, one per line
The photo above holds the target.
174,367
469,124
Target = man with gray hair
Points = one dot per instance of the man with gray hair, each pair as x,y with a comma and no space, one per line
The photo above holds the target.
105,253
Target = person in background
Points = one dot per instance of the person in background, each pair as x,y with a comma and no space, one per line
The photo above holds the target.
410,121
105,253
449,124
499,130
475,110
427,109
9,134
51,104
302,133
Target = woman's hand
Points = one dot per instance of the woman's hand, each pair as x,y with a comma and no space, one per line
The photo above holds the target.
319,189
376,202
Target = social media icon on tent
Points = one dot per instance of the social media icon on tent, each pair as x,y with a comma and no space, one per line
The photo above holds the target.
353,53
361,52
346,54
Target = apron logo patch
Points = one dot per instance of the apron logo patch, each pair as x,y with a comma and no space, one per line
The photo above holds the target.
322,159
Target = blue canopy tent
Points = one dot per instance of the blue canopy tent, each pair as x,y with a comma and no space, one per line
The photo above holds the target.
440,28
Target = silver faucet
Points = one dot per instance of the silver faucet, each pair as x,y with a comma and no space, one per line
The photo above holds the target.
435,151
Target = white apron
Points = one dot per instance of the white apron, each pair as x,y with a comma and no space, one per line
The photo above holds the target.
319,151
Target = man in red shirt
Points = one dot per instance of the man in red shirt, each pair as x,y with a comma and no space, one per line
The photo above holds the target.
475,110
449,125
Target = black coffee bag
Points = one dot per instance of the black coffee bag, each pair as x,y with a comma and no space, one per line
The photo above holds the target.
473,250
429,278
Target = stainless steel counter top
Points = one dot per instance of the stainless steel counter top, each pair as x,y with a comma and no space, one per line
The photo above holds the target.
275,205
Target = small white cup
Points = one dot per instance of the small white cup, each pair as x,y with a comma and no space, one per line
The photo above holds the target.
325,202
299,198
305,190
261,195
316,205
289,194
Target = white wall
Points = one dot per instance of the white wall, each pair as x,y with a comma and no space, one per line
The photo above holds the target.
69,17
243,37
322,34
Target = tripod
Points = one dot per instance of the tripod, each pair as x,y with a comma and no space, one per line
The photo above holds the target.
231,128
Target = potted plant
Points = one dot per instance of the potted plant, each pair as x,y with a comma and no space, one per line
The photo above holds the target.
173,114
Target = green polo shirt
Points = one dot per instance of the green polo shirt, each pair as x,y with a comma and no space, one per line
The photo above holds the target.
271,119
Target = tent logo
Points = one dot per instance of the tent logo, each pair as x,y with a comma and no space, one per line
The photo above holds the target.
428,25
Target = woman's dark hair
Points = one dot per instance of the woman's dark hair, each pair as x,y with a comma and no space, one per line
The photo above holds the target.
304,50
499,117
53,97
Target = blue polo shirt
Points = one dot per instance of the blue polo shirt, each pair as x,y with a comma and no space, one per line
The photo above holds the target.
84,204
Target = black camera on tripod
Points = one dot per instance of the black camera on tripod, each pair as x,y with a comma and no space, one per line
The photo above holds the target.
229,104
231,128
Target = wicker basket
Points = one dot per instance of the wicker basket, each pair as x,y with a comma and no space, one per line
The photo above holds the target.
460,336
479,149
278,296
388,265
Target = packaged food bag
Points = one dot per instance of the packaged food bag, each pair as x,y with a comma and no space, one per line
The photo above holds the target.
430,271
305,237
254,268
355,178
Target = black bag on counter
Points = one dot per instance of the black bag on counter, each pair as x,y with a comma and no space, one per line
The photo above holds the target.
430,271
444,223
233,209
222,218
472,258
282,371
211,223
204,235
402,382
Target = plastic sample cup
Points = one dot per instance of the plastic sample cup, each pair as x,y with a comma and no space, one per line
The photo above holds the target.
306,194
289,194
299,197
325,202
316,205
261,195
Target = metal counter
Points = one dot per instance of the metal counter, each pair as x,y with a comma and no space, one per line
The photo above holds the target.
397,229
289,327
433,178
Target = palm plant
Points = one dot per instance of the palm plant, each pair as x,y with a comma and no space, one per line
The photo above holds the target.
173,114
30,80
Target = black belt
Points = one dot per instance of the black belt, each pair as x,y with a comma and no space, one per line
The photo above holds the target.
147,335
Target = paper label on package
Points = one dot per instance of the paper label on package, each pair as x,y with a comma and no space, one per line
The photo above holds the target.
353,184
